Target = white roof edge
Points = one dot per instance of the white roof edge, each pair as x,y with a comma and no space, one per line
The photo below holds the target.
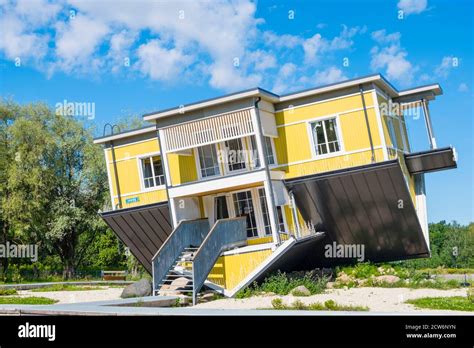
105,139
199,105
434,87
335,86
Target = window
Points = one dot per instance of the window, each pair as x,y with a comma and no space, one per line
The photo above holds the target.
235,155
281,220
152,172
268,148
391,131
325,136
208,163
266,217
243,206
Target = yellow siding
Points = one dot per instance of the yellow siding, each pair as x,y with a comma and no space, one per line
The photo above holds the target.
230,270
331,163
128,169
326,108
182,168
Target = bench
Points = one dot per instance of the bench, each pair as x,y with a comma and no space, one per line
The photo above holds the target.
114,275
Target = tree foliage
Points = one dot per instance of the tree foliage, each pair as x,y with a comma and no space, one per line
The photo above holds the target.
53,183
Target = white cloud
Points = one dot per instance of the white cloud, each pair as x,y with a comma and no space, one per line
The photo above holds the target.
412,6
391,57
77,41
463,87
381,37
18,23
160,63
281,41
445,67
328,76
317,45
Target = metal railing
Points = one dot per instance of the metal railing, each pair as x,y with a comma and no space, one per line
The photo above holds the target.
187,233
225,234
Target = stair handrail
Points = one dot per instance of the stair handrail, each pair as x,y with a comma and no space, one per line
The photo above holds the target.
224,234
188,232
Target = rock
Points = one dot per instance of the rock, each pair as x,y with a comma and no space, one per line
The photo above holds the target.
344,278
137,289
300,291
180,283
389,279
206,297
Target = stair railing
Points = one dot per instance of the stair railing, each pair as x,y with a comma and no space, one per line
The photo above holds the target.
225,234
189,232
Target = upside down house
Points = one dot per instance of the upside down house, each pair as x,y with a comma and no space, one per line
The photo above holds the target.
226,190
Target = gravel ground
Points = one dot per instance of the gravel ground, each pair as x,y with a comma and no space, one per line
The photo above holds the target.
376,299
77,296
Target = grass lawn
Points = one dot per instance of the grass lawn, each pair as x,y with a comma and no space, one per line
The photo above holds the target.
27,300
455,303
67,287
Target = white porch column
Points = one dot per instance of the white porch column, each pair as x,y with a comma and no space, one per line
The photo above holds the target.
429,126
270,198
164,160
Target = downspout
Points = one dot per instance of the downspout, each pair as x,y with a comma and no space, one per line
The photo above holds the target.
367,123
277,240
117,183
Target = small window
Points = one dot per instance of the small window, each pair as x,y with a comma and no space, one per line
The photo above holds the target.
235,155
325,136
268,148
243,206
152,170
266,217
208,163
393,135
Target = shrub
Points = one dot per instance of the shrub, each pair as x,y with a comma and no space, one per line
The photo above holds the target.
282,283
6,292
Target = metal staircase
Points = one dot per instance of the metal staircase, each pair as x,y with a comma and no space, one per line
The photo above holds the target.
191,251
181,268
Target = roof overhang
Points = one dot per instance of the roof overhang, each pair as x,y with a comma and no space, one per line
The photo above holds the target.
431,160
112,137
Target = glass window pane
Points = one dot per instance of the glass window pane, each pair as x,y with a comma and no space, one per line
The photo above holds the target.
147,173
325,136
269,150
266,217
255,158
158,168
235,155
243,206
208,160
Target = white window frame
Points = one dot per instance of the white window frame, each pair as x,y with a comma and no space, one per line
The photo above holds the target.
198,163
140,171
272,143
227,171
392,133
257,208
313,141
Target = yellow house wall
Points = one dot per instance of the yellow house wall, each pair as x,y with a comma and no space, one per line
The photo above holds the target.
128,170
230,270
294,144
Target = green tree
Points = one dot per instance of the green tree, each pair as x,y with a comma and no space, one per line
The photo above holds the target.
56,183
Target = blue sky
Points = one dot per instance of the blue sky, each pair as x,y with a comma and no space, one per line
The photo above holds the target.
132,57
